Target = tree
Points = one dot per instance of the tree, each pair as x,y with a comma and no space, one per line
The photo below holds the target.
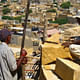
3,1
54,1
5,6
30,11
60,21
6,10
7,17
66,5
51,10
19,18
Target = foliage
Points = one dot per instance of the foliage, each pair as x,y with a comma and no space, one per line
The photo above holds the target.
19,18
3,1
5,6
7,17
60,21
15,1
6,10
30,11
51,10
54,2
66,5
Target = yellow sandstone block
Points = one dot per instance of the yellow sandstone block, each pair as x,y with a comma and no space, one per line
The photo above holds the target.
67,69
51,52
47,74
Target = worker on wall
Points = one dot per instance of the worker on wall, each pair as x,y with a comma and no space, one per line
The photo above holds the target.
8,64
74,46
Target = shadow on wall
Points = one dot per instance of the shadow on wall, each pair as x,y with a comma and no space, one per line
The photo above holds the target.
78,20
17,39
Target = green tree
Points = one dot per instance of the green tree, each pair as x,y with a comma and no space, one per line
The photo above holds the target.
51,10
19,18
54,1
5,6
7,17
30,11
66,5
60,21
3,1
6,10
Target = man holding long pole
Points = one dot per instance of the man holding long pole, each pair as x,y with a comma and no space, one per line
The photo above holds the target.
8,64
24,31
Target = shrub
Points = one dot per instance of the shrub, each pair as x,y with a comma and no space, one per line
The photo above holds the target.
6,10
51,10
19,18
5,6
66,5
3,1
30,11
7,17
60,21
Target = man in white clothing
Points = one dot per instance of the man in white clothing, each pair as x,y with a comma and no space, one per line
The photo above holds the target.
8,64
74,46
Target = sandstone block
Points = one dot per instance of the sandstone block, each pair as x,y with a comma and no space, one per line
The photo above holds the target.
67,69
50,51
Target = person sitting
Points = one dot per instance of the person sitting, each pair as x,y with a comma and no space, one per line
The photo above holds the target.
74,46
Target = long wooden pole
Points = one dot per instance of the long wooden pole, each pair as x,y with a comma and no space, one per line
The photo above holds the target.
24,32
25,24
44,29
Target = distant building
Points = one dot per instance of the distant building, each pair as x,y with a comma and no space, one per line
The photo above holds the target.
61,1
9,1
72,1
46,1
12,1
23,1
1,8
78,1
3,0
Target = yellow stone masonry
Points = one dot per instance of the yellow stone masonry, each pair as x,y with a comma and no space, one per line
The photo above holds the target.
51,51
67,69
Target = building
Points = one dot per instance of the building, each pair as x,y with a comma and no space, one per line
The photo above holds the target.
46,1
1,8
23,1
72,1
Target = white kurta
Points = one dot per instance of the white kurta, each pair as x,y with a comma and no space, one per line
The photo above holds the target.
7,63
75,49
